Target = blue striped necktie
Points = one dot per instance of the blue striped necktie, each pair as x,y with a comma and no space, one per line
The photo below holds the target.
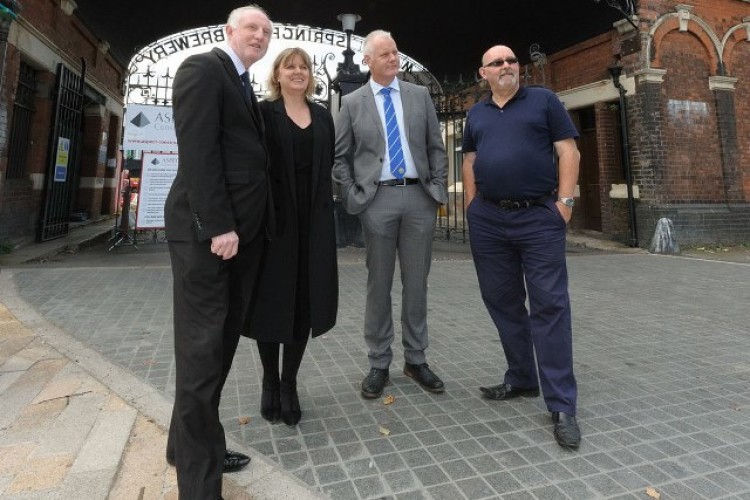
395,153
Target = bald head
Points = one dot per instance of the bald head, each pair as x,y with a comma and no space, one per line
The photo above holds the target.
494,52
501,71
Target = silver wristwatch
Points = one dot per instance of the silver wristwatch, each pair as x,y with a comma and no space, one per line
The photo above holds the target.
568,201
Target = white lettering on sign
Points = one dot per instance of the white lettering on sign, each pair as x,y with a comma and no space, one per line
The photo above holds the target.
152,69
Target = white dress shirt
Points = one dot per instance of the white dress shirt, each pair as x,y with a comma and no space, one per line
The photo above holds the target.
411,169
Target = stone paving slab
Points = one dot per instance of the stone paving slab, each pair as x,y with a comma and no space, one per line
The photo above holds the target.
660,354
66,435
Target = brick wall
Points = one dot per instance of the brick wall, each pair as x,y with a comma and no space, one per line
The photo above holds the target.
689,145
21,200
69,35
584,63
739,66
693,169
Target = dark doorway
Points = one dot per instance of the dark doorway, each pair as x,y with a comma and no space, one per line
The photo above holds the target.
588,178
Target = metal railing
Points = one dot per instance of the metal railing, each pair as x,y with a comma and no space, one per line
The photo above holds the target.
23,112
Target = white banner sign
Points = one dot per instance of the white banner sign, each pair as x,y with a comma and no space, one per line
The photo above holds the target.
157,174
152,69
149,128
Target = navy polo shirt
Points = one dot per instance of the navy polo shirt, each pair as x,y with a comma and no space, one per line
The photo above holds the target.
515,157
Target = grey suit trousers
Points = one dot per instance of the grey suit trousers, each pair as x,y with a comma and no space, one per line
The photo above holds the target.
400,220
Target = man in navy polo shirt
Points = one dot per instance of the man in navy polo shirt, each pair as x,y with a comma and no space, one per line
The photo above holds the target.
520,171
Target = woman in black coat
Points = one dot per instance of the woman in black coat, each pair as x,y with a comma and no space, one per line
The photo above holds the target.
298,289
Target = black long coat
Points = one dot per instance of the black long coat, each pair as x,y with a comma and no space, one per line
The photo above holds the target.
221,182
272,319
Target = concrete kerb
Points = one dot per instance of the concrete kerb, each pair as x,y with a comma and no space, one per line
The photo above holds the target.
263,479
79,237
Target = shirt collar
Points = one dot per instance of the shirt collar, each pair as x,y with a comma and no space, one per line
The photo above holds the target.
376,87
234,57
520,94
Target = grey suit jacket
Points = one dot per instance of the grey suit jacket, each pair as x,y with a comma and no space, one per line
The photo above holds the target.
361,145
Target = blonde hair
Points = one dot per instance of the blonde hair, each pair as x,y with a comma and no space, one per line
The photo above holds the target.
286,55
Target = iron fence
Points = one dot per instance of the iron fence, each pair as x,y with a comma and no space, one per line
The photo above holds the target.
23,112
451,102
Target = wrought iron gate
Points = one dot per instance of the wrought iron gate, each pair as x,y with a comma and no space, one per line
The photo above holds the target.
23,113
451,105
64,154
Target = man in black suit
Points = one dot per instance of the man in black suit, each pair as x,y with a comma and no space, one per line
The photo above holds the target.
216,217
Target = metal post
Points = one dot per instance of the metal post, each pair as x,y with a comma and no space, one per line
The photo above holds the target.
616,71
348,79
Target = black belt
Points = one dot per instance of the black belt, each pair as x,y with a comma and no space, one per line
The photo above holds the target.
406,181
513,204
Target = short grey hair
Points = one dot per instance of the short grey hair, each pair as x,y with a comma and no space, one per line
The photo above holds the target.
366,45
234,16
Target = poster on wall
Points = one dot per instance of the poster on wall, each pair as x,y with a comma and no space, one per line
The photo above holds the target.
157,174
61,159
149,128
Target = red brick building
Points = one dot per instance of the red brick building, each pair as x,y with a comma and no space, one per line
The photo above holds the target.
683,152
58,135
686,76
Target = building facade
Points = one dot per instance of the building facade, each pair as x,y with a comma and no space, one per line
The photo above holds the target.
60,122
684,119
662,102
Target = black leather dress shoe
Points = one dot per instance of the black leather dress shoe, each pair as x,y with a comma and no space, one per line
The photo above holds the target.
233,461
424,377
566,430
372,385
506,391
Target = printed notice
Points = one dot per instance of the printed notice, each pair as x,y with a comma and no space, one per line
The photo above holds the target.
157,174
61,159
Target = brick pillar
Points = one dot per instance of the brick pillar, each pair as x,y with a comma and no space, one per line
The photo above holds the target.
612,178
648,147
726,118
93,160
111,190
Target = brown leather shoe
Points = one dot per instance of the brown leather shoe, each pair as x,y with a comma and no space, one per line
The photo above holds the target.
425,377
506,391
374,382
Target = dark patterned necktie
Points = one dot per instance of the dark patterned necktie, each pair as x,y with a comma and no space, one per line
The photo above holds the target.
249,91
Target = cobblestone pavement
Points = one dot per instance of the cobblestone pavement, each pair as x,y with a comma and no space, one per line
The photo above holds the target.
661,357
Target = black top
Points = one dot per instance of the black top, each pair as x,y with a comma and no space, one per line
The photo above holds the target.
302,147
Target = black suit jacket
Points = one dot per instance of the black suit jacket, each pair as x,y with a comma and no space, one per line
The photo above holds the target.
272,317
221,183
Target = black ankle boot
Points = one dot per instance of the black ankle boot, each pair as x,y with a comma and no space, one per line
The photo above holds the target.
270,401
290,410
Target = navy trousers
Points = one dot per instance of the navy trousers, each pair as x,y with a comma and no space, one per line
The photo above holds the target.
527,244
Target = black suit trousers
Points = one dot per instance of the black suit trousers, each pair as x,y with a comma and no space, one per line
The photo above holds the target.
211,301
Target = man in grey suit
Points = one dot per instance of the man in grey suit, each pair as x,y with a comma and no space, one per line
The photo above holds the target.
392,167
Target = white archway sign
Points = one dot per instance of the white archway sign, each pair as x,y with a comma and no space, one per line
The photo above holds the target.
148,127
151,70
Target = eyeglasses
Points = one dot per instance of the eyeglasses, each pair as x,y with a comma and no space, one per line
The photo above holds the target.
499,62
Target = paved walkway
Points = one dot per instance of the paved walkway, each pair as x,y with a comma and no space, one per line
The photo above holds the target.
661,359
